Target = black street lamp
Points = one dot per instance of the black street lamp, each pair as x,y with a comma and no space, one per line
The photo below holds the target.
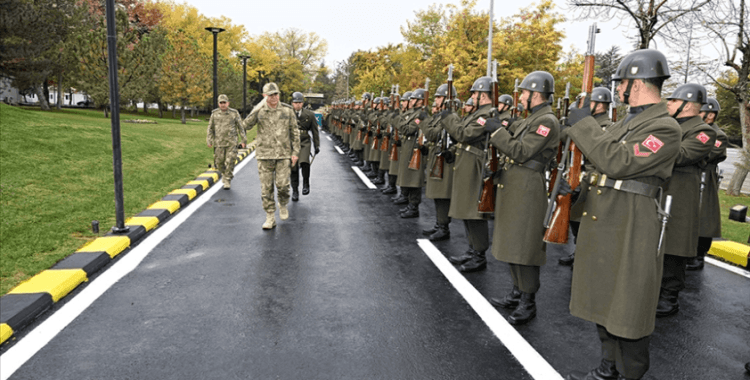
244,59
215,31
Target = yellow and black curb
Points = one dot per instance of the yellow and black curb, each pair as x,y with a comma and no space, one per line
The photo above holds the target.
30,299
731,251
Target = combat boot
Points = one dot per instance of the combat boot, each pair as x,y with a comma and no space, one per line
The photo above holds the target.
431,231
443,233
270,221
379,180
411,212
401,200
606,371
305,187
668,304
477,263
525,311
510,300
227,183
462,258
567,260
695,263
283,212
295,194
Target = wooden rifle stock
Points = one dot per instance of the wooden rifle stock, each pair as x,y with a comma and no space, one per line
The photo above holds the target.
553,173
415,163
394,148
437,168
487,194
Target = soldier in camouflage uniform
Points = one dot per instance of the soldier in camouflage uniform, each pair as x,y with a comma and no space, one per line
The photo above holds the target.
277,150
224,128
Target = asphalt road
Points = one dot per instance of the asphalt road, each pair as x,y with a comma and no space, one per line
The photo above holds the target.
344,290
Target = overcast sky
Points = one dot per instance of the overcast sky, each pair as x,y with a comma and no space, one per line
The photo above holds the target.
349,26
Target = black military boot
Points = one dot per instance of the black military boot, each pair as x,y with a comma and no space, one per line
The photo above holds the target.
305,178
305,187
443,233
379,180
431,231
411,212
373,173
668,304
606,371
391,188
525,311
695,263
401,200
478,262
295,194
510,300
567,260
462,257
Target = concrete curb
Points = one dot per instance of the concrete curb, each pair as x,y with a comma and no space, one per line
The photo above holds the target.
30,299
730,251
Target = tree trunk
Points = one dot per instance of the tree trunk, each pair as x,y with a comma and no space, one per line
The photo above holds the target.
738,178
182,114
161,109
70,96
174,112
43,103
59,91
106,112
192,112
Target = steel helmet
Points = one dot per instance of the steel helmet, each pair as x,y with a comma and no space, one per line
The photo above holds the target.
539,81
443,90
483,84
643,64
690,92
711,105
297,97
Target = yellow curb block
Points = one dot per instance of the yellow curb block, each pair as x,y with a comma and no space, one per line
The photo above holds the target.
189,192
113,245
203,184
730,251
212,175
57,282
171,206
148,222
5,332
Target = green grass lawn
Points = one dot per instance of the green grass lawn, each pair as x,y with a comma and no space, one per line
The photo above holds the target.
56,177
731,230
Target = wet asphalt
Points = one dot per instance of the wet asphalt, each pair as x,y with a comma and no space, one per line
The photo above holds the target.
341,290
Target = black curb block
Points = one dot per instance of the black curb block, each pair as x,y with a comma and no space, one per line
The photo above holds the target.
19,310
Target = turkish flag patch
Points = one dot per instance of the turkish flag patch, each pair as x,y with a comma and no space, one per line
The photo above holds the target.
417,121
542,130
703,137
718,144
505,123
652,143
638,152
481,121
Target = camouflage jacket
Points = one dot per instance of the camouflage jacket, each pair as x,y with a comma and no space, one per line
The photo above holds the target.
224,127
278,135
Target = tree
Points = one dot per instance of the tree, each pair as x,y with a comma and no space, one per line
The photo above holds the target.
729,117
651,17
307,48
606,65
184,77
424,32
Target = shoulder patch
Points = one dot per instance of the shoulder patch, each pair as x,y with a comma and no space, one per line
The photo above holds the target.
505,123
703,137
718,144
542,130
652,143
417,121
481,121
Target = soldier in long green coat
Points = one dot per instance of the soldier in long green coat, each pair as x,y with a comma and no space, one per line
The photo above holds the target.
438,187
307,125
681,240
528,146
395,166
467,175
617,274
385,137
392,165
710,219
411,180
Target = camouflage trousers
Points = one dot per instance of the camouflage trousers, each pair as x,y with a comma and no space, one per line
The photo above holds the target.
271,171
224,158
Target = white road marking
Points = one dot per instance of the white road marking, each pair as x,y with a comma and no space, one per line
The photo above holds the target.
36,339
339,150
728,267
364,178
529,358
329,138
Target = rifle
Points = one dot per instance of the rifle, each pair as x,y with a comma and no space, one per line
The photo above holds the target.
559,105
366,139
386,140
514,111
613,105
491,162
393,156
561,147
557,231
375,141
437,168
415,163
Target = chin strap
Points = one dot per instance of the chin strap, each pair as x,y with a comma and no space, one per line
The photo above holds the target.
682,106
626,94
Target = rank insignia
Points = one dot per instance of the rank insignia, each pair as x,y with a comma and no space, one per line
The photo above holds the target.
652,143
718,144
542,130
481,121
703,137
638,152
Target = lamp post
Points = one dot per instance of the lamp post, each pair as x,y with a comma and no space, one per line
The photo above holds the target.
114,101
215,31
244,59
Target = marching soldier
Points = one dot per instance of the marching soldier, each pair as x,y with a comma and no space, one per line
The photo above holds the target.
600,99
439,189
618,259
395,166
521,199
307,124
277,150
411,180
681,238
224,128
710,218
467,176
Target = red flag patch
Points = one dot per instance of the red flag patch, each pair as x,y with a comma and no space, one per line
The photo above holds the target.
481,121
505,123
718,144
417,121
542,130
652,143
703,137
638,152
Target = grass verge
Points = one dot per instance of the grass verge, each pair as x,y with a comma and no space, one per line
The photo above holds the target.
731,230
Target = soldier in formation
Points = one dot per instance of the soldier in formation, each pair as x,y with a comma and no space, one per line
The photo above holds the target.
224,132
307,125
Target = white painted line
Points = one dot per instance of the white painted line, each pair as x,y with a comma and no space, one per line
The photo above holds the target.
364,178
339,150
329,138
728,267
531,360
36,339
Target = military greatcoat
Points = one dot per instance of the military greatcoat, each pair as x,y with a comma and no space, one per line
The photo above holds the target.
409,132
710,211
307,125
521,196
437,188
395,121
617,274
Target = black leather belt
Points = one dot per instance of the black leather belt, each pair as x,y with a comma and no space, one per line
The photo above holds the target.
470,149
627,185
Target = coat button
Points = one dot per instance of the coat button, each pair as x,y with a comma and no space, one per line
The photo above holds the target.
598,192
585,213
593,218
501,186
